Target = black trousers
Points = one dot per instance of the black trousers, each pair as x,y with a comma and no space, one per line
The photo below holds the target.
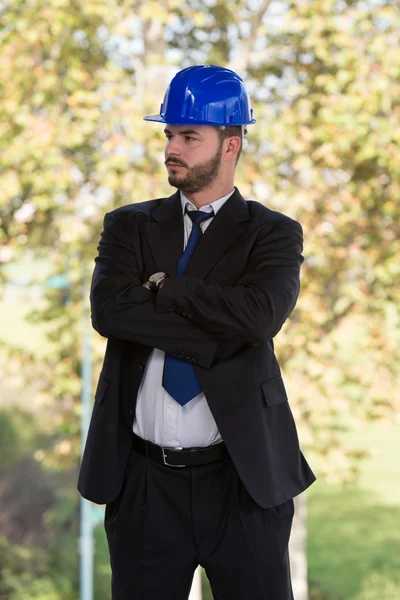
167,520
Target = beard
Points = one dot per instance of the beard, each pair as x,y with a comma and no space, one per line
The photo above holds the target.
197,178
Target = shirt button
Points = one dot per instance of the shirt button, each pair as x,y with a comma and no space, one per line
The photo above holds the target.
170,405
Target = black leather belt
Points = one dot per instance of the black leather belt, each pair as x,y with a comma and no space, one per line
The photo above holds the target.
180,457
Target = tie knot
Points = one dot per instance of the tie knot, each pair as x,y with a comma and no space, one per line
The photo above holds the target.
198,216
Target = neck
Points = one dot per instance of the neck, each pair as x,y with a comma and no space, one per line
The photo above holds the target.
208,195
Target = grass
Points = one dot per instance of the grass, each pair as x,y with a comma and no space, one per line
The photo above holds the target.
353,531
353,538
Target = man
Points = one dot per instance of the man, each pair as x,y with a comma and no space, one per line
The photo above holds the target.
192,444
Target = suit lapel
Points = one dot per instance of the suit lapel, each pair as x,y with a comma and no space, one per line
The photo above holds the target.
166,235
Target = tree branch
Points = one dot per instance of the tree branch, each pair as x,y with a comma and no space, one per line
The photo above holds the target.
242,62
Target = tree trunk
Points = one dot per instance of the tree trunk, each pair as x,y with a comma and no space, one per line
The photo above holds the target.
195,592
298,549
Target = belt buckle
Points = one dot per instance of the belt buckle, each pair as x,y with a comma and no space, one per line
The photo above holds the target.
164,448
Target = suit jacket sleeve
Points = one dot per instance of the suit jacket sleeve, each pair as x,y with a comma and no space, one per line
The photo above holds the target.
254,309
122,308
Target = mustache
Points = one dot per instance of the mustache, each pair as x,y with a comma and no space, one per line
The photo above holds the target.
174,161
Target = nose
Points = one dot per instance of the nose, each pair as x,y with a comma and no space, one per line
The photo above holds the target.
172,147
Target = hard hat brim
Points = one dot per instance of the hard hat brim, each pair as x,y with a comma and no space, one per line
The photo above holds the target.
156,118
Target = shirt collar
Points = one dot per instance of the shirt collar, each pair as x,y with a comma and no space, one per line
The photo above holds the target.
215,205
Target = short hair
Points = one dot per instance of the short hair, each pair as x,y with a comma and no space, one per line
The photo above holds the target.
229,131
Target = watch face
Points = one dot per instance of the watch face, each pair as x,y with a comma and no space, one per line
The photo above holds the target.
157,277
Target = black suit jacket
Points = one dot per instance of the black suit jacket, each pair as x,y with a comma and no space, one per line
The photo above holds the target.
241,285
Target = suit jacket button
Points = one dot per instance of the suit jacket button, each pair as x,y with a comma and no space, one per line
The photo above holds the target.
188,356
194,358
174,353
181,355
185,313
173,307
191,315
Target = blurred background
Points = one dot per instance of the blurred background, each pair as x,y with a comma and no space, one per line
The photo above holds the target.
76,79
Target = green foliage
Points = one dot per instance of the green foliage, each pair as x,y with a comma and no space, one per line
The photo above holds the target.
26,572
38,542
19,435
9,440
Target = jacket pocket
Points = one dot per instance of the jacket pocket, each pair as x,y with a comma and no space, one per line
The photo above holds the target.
101,389
274,391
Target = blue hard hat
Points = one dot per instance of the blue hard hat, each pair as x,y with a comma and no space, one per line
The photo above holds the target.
205,95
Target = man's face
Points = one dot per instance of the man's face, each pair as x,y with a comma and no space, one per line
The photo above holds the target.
192,156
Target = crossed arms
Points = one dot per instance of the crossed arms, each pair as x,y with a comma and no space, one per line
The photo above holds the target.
252,311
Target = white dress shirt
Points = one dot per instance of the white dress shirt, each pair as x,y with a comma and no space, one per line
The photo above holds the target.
159,418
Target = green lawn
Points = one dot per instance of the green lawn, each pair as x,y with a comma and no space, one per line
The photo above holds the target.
354,531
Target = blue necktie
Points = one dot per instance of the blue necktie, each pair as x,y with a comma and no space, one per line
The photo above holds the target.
179,377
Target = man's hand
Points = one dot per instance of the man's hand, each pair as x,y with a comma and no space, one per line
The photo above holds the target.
152,287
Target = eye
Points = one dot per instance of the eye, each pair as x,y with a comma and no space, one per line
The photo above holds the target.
188,138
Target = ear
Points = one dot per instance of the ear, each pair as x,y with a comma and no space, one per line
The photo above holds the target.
232,146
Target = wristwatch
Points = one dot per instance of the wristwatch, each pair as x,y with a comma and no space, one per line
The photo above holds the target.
156,280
